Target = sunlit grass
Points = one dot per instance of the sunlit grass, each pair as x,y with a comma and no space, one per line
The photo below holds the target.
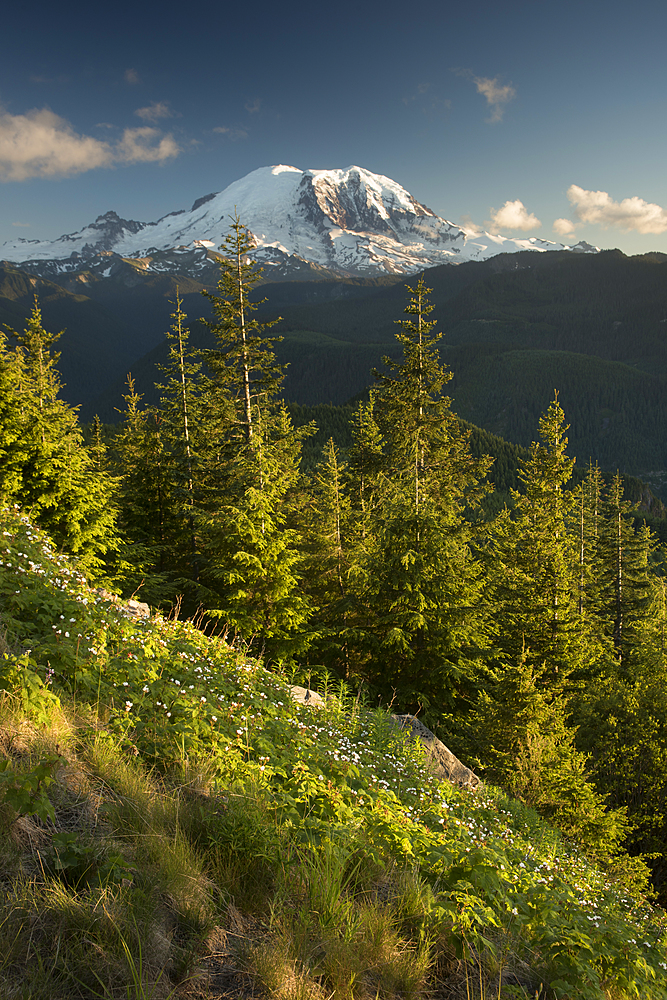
200,796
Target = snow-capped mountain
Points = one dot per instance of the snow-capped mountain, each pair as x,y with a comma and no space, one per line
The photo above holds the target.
347,221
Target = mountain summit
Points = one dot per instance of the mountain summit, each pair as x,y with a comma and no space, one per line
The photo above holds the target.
348,221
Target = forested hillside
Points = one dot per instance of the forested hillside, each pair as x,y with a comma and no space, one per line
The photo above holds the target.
515,599
386,559
515,328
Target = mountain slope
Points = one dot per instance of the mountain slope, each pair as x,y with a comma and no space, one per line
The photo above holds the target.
348,221
161,793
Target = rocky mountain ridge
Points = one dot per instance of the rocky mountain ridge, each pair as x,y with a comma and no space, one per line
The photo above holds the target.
348,222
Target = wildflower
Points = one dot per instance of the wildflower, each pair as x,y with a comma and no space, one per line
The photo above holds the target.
128,706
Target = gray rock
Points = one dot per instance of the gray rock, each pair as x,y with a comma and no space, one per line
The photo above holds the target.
443,762
135,609
304,696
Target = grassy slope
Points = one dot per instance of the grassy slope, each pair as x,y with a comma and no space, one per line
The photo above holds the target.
190,821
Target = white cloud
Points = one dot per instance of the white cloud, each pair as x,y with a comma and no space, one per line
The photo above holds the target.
598,208
145,145
252,107
513,215
564,227
22,225
155,111
469,225
41,144
497,95
131,76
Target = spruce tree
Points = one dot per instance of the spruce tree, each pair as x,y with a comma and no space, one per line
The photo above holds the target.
519,736
419,627
533,560
243,365
326,519
254,556
366,461
52,472
624,578
249,469
148,517
184,431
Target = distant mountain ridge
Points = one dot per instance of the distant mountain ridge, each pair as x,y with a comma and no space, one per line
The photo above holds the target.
349,222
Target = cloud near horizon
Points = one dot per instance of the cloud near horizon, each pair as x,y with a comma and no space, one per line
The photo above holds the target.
598,208
564,227
513,215
42,144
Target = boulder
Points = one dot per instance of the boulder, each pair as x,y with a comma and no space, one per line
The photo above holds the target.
135,609
442,761
304,696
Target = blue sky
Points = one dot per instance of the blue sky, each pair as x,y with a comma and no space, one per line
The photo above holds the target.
504,113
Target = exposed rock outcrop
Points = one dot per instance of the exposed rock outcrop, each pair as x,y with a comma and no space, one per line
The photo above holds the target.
135,609
304,696
443,762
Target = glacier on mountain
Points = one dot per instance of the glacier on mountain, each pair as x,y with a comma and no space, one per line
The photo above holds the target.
349,221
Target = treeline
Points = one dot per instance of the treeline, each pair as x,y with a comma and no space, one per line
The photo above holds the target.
532,637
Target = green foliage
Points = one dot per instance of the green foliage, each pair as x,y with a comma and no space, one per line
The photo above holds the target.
531,562
364,855
249,474
19,676
518,735
46,466
26,792
417,622
540,626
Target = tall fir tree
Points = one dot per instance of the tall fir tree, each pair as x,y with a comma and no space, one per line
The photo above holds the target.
148,519
533,571
420,626
53,474
250,469
184,432
623,567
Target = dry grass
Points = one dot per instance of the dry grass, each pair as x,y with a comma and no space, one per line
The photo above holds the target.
125,902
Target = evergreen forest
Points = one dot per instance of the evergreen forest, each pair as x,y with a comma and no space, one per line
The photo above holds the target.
512,598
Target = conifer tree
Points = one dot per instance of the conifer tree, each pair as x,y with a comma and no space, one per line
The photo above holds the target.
55,477
624,579
243,365
183,431
13,446
250,468
148,517
518,734
420,625
254,557
366,461
533,559
326,520
587,514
